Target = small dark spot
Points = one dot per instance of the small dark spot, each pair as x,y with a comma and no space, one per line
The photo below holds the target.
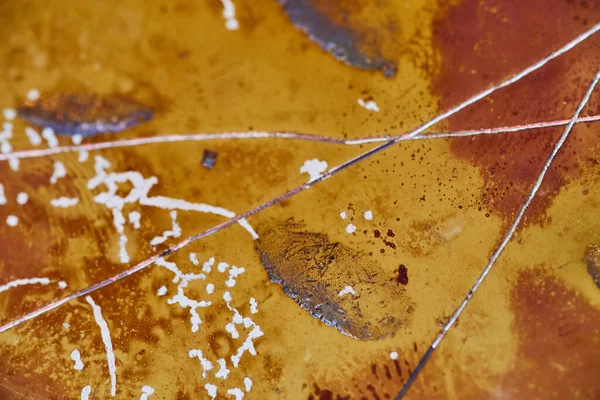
402,275
209,158
377,233
390,233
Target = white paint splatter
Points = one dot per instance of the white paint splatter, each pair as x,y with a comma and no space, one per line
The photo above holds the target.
134,219
76,139
211,390
343,214
223,372
85,392
234,272
59,172
369,105
12,220
2,196
207,266
347,290
146,392
248,384
222,267
394,355
22,198
161,291
64,202
314,168
237,392
33,94
210,288
66,325
62,284
110,355
33,136
48,134
253,305
14,163
193,257
22,282
368,215
83,156
205,363
76,356
231,23
350,228
248,345
9,113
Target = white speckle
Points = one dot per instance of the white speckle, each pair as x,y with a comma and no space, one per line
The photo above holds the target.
253,305
350,228
248,384
48,134
146,392
210,288
22,198
248,345
76,139
237,392
85,392
207,266
59,172
66,325
314,168
33,94
12,220
347,290
33,136
64,202
193,258
110,355
62,284
234,272
211,390
343,214
369,105
394,355
222,267
161,291
2,196
223,372
9,113
134,219
368,215
174,232
13,163
206,365
6,147
21,282
76,356
231,23
83,156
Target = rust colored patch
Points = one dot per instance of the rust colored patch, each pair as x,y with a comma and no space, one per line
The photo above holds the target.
559,335
592,259
499,40
86,114
312,270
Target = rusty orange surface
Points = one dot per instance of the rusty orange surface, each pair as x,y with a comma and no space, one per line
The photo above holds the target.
356,191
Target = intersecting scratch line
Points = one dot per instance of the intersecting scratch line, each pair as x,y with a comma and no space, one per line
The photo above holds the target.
200,137
298,189
505,240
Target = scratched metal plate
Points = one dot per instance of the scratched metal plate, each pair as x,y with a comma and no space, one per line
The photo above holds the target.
126,272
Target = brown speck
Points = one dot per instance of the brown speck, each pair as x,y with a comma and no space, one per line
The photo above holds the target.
402,275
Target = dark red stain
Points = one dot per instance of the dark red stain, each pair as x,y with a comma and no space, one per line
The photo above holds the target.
559,336
481,43
402,275
376,233
390,233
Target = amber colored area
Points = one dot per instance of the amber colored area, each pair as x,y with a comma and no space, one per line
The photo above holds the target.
409,228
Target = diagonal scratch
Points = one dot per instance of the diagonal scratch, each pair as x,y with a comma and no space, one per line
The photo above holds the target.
201,137
292,192
504,242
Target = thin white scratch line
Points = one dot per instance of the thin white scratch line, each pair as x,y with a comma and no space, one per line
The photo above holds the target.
199,137
152,259
22,282
507,237
110,355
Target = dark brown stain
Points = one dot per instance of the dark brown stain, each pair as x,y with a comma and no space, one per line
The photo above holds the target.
312,270
559,336
592,259
481,43
402,277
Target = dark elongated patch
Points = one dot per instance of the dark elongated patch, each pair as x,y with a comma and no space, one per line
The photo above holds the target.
313,271
592,259
86,114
